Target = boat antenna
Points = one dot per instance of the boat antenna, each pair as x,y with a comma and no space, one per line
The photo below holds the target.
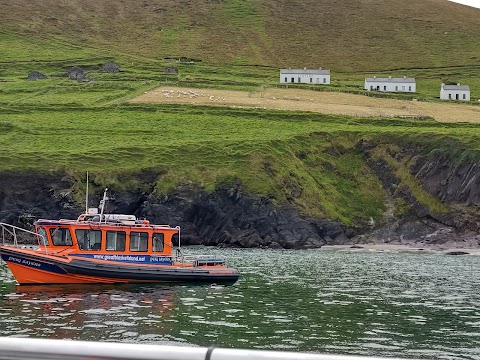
103,203
86,197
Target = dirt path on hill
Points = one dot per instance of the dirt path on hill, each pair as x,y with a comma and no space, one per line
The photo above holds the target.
315,101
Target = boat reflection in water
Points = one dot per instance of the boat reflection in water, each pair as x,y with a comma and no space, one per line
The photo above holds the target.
94,312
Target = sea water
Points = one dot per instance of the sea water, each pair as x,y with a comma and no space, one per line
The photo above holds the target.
342,302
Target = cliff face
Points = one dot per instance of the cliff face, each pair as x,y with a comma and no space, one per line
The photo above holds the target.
431,200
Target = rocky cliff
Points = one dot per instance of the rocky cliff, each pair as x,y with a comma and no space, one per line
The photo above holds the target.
431,199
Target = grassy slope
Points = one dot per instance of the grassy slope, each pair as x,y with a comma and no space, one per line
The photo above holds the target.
308,159
345,35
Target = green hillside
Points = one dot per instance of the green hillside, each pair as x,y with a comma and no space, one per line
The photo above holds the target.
347,35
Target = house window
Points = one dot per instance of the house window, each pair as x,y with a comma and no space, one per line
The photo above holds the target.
396,88
464,97
138,241
450,96
384,88
116,240
158,243
61,237
403,88
409,88
293,80
456,96
299,79
311,80
324,80
89,239
286,79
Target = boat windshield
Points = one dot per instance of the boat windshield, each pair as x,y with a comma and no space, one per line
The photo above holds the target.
43,239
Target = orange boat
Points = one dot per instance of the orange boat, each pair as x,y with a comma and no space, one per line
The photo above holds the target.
107,248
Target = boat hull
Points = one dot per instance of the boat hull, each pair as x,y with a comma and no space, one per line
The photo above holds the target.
31,268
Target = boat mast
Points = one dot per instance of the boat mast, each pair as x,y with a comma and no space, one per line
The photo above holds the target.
86,197
103,204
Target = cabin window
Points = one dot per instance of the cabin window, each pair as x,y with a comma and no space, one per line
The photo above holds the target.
324,80
61,237
311,80
158,242
384,88
89,239
138,241
116,240
286,79
464,96
42,239
409,88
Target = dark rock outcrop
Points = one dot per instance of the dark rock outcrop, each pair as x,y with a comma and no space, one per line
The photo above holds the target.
36,75
76,73
111,67
230,217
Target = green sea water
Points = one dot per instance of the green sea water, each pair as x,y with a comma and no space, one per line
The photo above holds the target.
343,302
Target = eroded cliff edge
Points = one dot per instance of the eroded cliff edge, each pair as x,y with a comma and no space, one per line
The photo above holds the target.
431,198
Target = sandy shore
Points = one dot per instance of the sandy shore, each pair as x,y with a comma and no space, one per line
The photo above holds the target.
399,248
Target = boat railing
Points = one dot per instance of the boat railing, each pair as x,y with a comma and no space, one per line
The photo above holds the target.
12,236
45,349
197,260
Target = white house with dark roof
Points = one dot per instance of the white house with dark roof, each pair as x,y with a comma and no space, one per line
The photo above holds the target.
305,76
391,84
455,92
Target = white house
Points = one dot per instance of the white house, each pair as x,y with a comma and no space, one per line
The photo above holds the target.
391,84
455,92
305,76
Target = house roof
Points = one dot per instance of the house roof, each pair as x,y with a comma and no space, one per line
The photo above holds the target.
456,87
391,80
305,71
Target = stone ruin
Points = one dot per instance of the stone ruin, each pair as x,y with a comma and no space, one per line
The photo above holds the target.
76,73
170,70
36,75
111,67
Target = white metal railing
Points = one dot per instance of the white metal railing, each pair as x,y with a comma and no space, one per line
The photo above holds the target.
45,349
12,231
